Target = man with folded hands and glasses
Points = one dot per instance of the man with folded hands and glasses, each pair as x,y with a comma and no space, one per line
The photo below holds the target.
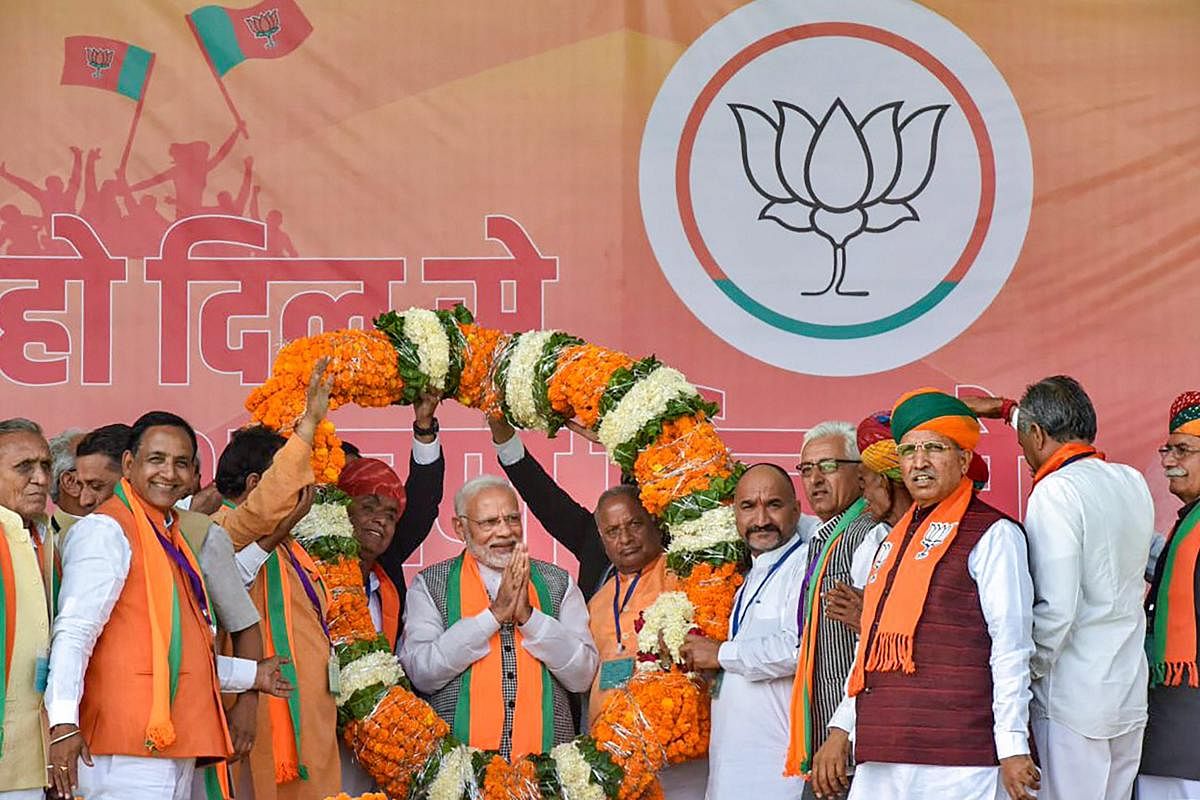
490,631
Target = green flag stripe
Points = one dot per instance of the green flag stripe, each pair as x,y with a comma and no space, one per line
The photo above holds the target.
4,623
283,647
132,80
218,38
212,785
462,708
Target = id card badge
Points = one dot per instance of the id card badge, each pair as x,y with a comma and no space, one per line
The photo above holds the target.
41,672
615,673
335,675
714,688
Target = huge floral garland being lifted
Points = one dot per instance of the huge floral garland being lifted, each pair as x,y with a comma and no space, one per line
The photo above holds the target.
653,424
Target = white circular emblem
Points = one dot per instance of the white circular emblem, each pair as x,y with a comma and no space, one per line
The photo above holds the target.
836,187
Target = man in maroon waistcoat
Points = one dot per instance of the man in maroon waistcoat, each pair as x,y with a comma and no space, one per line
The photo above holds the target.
938,699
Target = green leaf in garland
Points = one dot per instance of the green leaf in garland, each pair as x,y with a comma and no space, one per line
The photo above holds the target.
543,371
361,703
347,653
621,381
332,548
500,376
328,494
408,361
458,345
626,453
607,774
691,506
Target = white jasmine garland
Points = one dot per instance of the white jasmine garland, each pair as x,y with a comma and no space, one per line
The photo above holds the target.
323,519
367,671
518,383
452,775
646,401
672,615
425,330
713,528
575,774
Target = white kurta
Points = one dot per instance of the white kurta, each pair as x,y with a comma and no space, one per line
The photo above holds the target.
750,715
1153,787
1090,525
999,566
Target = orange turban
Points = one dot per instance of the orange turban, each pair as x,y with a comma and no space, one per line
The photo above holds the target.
367,476
930,410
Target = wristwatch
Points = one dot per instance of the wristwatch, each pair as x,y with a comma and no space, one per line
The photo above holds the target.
430,431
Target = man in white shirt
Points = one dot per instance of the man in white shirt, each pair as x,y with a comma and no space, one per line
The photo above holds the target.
1089,524
493,613
749,740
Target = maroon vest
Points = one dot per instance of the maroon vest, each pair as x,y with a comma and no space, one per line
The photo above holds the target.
942,713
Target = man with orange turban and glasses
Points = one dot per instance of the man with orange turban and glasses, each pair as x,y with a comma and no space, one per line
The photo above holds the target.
1089,522
938,697
1170,767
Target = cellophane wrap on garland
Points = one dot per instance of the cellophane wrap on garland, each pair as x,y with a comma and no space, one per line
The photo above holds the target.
655,425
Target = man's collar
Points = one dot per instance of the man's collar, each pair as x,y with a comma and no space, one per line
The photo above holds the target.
1187,508
771,556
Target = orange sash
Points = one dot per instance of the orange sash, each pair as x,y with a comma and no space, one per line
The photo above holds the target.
389,601
891,649
1071,451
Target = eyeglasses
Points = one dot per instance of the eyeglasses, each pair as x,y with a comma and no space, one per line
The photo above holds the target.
1177,450
828,466
909,449
493,523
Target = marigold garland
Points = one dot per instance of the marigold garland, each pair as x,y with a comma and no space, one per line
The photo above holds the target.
657,428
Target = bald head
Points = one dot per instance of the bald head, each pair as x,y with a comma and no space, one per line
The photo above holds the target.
765,507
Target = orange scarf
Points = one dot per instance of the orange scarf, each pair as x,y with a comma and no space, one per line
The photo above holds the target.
1067,454
389,604
162,602
898,613
478,720
1172,643
277,640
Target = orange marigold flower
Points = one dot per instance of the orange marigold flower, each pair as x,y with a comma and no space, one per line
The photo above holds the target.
580,378
686,457
711,590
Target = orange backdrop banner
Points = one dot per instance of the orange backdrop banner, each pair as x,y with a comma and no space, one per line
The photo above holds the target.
808,208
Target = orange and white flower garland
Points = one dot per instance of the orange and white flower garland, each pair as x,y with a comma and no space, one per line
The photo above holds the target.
654,424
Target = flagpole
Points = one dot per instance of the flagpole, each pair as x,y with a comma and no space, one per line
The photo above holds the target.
137,115
237,118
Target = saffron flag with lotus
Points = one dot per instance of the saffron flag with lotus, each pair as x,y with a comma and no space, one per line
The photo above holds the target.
104,63
229,36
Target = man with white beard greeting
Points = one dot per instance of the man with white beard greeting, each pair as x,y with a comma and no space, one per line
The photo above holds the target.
489,631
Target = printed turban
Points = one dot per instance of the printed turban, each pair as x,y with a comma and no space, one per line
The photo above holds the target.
366,476
930,410
1185,414
877,446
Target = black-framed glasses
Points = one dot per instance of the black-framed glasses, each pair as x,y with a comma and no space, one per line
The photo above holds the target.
492,523
828,466
1177,450
931,447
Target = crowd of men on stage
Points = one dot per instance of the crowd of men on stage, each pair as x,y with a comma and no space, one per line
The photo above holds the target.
907,641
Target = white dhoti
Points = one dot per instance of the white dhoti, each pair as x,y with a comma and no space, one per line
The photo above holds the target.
22,794
1075,767
355,780
1154,787
136,778
877,781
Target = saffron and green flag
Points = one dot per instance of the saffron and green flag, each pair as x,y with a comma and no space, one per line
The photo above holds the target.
229,36
104,63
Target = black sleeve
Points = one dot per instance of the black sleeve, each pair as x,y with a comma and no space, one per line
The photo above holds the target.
572,525
423,490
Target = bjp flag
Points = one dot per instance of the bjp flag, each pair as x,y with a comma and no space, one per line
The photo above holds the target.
106,64
229,36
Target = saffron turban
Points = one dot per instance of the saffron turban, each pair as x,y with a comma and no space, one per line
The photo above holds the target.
877,446
367,476
930,410
1185,414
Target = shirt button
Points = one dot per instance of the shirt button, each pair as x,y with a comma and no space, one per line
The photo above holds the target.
512,703
510,675
508,648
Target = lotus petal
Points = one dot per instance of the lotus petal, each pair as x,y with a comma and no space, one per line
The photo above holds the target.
796,132
839,166
881,131
794,216
918,152
887,215
758,135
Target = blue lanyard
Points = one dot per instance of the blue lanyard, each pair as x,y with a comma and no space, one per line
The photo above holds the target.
739,616
618,609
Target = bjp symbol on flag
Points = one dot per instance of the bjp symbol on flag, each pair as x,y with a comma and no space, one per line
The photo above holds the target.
264,25
99,59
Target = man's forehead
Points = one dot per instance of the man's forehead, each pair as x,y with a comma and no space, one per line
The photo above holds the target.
23,446
914,436
824,447
95,462
765,483
493,497
1184,438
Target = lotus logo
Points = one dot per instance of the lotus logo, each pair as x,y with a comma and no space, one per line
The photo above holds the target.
937,533
265,26
838,177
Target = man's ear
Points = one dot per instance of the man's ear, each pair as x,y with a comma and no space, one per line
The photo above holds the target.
69,482
460,529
